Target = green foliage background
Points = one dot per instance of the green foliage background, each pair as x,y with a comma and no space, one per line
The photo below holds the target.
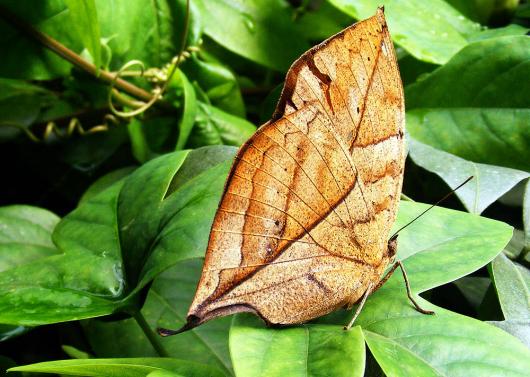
105,217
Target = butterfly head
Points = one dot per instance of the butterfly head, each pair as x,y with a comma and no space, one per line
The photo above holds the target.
392,247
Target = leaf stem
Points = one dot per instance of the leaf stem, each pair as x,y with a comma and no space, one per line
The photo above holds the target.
154,339
71,56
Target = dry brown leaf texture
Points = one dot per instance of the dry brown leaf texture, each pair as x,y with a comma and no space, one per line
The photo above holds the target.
303,224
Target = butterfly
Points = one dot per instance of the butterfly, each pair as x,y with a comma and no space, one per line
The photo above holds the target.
302,227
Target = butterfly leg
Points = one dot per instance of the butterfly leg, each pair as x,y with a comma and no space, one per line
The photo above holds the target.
386,277
361,304
409,292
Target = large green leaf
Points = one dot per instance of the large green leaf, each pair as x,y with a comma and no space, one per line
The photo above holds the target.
218,82
214,126
189,110
138,367
526,217
85,20
484,74
158,224
508,30
27,59
21,104
445,345
478,10
25,235
149,229
488,135
104,182
489,182
150,32
146,31
518,328
259,30
476,108
308,350
80,283
321,21
445,245
512,283
166,306
431,30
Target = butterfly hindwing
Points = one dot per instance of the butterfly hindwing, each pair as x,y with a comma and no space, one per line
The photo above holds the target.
303,224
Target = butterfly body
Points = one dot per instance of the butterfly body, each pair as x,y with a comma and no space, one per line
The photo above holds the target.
302,227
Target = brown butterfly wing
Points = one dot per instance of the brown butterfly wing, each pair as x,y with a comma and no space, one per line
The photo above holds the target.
303,224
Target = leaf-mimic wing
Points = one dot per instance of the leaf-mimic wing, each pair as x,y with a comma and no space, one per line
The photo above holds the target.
303,224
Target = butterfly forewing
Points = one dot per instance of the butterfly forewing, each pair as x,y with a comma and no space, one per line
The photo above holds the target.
303,223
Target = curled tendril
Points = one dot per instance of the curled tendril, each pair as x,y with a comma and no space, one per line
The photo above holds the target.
74,126
158,92
144,105
156,75
160,76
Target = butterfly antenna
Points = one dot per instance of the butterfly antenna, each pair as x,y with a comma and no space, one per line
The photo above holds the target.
394,236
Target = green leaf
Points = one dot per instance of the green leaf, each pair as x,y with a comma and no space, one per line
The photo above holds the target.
321,21
445,245
77,284
526,217
25,235
446,344
474,289
395,359
477,10
163,373
138,367
21,104
259,30
139,147
85,20
75,353
160,25
461,243
188,111
184,183
431,31
166,305
28,59
214,126
512,29
519,329
105,182
308,350
218,81
459,108
495,136
99,244
484,74
90,151
489,182
512,283
120,22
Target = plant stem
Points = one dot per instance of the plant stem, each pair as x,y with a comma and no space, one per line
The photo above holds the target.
71,56
150,334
